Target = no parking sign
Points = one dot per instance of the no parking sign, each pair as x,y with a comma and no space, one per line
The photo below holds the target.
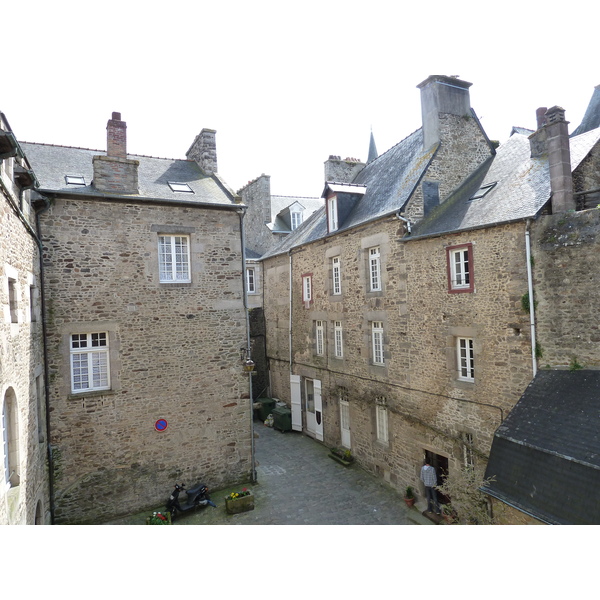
161,425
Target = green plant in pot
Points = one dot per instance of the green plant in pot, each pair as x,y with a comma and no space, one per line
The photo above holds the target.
409,496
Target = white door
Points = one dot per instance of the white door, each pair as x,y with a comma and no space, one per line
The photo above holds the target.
345,423
309,407
296,398
318,410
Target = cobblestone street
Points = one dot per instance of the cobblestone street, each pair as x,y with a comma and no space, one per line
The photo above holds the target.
298,484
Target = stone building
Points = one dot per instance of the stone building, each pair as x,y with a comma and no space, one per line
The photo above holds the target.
24,484
145,317
268,220
406,292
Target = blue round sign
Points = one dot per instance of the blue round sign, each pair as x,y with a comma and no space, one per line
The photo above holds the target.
161,425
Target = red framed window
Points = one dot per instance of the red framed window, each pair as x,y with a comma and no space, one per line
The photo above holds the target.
459,265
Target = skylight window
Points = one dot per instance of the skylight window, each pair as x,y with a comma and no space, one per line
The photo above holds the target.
482,191
75,179
180,187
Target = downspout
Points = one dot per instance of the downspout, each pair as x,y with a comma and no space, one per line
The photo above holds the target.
46,377
290,318
242,214
407,221
531,301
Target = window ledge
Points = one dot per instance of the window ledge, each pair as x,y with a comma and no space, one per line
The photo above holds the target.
175,284
90,394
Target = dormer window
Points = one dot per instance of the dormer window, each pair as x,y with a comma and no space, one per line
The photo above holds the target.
75,179
482,191
332,214
180,187
296,217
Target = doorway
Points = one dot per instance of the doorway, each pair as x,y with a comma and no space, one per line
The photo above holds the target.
345,423
440,464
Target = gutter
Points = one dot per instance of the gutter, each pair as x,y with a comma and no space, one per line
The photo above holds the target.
138,199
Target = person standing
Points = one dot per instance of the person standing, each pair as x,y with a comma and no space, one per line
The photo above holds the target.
429,479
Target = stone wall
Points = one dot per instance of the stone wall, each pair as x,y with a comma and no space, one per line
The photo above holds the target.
26,501
427,407
463,148
256,195
565,251
174,355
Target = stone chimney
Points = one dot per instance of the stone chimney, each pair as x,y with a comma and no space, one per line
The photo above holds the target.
115,173
342,171
442,95
559,160
204,151
540,116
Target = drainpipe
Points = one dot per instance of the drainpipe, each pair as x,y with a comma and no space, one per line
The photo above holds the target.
531,302
290,319
242,214
407,221
46,377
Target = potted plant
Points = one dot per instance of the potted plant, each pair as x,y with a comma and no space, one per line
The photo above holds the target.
158,518
238,502
409,496
341,455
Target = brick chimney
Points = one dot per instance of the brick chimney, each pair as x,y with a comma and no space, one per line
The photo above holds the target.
342,171
559,160
442,95
115,173
204,151
116,134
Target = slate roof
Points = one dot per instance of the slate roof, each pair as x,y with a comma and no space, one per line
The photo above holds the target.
521,191
53,163
390,181
280,203
591,118
545,456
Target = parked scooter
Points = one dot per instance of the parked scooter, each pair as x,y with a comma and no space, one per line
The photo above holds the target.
197,497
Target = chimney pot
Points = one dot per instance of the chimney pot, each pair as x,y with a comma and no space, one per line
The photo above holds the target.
116,116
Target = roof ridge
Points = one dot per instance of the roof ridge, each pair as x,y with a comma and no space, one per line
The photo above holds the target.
394,146
104,151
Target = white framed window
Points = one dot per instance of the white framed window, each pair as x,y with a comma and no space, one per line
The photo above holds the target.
13,300
306,288
320,338
74,179
460,268
90,368
381,420
250,280
296,219
338,339
336,273
10,440
332,213
374,269
174,258
180,187
377,342
465,357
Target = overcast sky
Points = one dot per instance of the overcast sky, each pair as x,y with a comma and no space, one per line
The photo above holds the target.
284,84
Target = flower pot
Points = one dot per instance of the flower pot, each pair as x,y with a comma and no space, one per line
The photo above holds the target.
409,501
238,505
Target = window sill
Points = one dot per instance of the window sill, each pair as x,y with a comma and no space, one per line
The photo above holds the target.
175,284
90,394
